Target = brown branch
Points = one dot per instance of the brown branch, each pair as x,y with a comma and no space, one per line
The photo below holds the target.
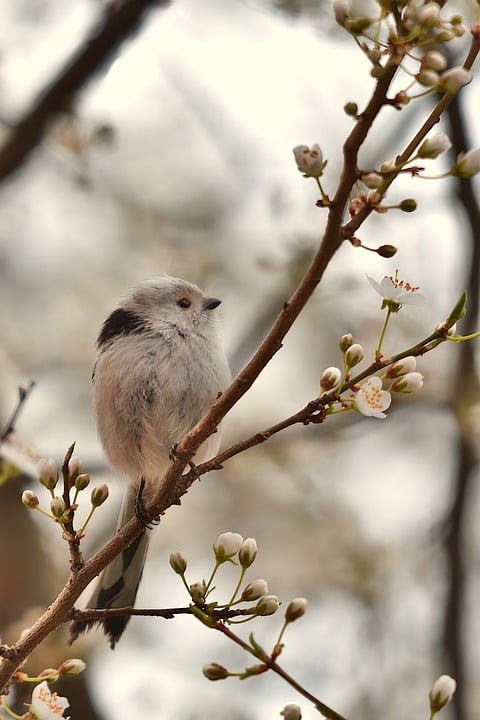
23,393
168,493
119,21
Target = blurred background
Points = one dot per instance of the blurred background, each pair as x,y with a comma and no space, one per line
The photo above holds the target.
168,149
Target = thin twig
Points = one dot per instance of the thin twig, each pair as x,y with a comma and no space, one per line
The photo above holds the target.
23,393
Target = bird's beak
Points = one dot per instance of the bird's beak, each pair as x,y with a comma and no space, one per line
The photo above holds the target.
211,303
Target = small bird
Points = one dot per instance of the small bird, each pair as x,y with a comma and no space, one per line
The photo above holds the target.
160,365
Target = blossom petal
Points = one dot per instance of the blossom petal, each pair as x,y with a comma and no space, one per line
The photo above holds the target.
371,400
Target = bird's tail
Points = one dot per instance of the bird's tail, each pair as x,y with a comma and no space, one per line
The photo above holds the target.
118,584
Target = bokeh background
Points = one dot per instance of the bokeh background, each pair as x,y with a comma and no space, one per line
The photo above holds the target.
175,156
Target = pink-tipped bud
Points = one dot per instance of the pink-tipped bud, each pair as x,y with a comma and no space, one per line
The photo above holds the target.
74,666
330,378
402,367
30,500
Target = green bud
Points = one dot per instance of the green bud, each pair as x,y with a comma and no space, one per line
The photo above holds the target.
214,671
458,311
408,205
99,495
57,507
345,342
386,251
351,109
82,481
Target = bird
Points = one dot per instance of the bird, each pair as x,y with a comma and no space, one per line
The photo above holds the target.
159,367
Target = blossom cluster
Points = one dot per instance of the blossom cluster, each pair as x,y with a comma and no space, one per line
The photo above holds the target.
63,505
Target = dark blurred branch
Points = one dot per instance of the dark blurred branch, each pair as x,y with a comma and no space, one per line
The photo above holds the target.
120,20
23,393
465,391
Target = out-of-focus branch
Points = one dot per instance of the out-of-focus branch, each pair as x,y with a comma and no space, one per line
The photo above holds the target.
120,20
465,389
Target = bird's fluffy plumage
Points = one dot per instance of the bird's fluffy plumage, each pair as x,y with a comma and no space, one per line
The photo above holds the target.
160,365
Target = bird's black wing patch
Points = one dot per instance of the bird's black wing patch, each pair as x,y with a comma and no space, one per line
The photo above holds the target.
121,322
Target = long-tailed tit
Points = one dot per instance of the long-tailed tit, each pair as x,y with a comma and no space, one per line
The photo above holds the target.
160,365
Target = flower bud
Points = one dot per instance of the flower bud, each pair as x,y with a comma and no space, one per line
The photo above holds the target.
74,666
247,552
30,500
434,60
57,507
354,355
330,378
74,468
309,160
452,80
428,15
402,367
387,167
427,78
407,383
254,590
81,481
467,165
372,180
291,712
267,605
226,546
214,671
341,9
47,473
99,495
387,251
351,109
197,592
441,692
295,609
408,205
178,562
434,146
345,341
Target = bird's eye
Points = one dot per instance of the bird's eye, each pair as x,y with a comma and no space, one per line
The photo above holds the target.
184,302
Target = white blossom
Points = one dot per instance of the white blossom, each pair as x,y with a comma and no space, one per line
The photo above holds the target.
309,160
47,705
397,291
371,400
